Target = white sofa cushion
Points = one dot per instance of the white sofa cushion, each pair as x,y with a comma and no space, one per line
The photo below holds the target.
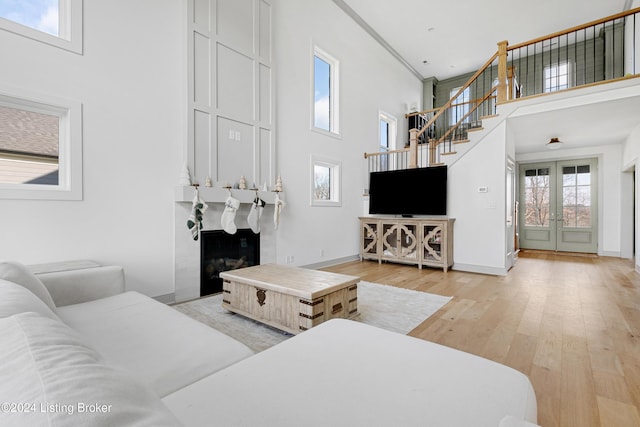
157,344
48,377
347,373
82,285
20,274
16,299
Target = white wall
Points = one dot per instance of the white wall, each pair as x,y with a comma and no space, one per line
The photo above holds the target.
130,81
370,80
631,160
480,226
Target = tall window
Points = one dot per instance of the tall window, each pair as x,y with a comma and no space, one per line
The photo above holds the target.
387,136
55,22
460,106
325,92
556,77
41,15
40,148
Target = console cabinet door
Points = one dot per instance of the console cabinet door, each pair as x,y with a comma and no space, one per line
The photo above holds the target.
369,240
400,241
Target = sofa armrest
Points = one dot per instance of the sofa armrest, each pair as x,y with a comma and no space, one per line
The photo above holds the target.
87,284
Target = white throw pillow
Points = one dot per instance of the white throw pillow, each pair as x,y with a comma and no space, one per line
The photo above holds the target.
48,377
15,299
20,274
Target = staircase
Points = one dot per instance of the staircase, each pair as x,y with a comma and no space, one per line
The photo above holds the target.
592,53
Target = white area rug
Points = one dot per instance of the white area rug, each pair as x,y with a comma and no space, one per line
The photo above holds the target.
388,307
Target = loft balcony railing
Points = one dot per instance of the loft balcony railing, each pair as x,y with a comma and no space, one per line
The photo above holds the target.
604,50
598,51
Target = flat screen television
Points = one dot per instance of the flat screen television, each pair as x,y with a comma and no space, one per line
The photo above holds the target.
419,191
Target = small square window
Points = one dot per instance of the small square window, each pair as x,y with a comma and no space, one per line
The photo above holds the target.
40,147
325,182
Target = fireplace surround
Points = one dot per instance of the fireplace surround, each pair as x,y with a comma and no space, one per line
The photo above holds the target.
187,251
221,251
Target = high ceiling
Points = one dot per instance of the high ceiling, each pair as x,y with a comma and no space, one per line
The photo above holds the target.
456,37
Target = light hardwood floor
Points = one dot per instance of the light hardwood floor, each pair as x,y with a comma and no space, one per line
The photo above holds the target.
571,323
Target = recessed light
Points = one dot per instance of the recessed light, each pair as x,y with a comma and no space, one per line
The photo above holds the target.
425,62
430,29
452,66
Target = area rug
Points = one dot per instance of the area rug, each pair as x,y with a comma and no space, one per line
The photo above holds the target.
388,307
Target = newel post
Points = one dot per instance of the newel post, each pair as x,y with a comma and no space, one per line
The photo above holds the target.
502,71
413,148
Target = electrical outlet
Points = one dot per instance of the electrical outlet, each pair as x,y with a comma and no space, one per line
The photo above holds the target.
321,252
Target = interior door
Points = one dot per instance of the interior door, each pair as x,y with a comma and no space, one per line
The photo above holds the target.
559,206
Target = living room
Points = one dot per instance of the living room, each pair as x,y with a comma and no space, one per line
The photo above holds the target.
131,78
132,84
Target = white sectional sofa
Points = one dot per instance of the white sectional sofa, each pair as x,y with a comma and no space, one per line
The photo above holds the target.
77,350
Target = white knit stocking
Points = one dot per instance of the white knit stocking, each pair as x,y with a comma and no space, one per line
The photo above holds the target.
228,216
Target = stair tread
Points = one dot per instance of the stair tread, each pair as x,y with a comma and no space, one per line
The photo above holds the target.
490,116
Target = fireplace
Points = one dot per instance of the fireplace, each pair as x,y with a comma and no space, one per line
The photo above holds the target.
221,251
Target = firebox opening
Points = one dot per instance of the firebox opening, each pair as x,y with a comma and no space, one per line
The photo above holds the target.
221,251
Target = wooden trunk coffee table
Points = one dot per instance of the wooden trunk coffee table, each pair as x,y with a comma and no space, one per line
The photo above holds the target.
289,298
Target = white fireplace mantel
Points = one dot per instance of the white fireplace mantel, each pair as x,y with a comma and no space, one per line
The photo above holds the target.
220,194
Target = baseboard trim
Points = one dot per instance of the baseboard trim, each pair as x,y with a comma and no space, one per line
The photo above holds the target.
614,254
332,262
482,269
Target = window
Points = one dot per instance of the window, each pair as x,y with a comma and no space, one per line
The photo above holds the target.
460,106
55,22
556,77
387,136
537,197
576,196
40,148
325,92
29,146
325,182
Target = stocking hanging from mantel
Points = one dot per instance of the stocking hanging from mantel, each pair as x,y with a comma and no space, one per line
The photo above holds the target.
278,205
194,223
255,213
231,205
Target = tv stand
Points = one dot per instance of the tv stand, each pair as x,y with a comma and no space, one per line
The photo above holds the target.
420,241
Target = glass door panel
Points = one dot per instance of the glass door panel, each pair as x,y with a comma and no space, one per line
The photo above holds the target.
537,206
577,215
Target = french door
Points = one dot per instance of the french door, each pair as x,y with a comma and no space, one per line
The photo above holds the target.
558,206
